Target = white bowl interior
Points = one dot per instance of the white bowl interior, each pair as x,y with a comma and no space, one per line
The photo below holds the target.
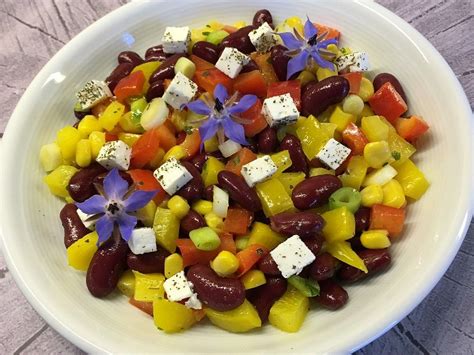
435,228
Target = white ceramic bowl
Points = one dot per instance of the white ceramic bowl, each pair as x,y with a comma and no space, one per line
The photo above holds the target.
435,229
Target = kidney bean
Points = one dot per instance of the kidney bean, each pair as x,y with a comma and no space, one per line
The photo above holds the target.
324,267
376,260
99,179
73,227
259,216
267,140
207,51
239,191
219,293
262,16
317,97
250,66
81,114
315,163
149,262
362,219
268,266
280,61
106,266
298,158
180,137
304,224
218,155
331,295
239,40
130,57
157,89
191,221
194,188
356,244
166,69
209,193
120,72
266,295
81,185
314,191
155,53
383,78
199,160
314,243
252,145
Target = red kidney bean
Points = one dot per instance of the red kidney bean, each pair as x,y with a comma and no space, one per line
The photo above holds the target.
239,40
259,216
268,266
219,293
314,243
314,191
73,227
356,244
194,188
376,260
304,224
192,221
252,145
199,160
262,16
267,140
155,53
324,267
362,219
317,97
130,57
120,72
315,163
298,158
266,295
207,51
239,191
106,266
166,69
81,114
149,262
157,89
383,78
99,179
81,185
209,193
218,155
280,61
180,137
250,66
331,295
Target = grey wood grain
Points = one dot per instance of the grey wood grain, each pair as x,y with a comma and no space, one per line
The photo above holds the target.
33,30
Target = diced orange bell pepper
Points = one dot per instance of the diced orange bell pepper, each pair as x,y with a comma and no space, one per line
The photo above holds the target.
200,63
208,79
249,257
292,87
165,136
144,180
331,32
109,137
411,128
192,255
388,218
237,221
131,85
191,143
239,159
255,121
146,307
145,148
354,138
251,83
388,102
265,66
354,79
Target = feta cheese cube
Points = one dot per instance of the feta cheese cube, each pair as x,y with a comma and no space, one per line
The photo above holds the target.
177,287
229,147
143,240
180,91
263,38
92,93
231,62
172,176
333,154
280,110
357,61
292,256
176,39
115,154
258,170
87,219
193,302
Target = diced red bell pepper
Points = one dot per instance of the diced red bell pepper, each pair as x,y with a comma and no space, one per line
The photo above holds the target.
354,138
192,255
388,218
145,148
144,180
411,128
146,307
166,136
331,32
292,87
237,221
251,83
131,85
239,159
256,122
354,79
387,102
109,137
200,63
209,78
249,257
191,143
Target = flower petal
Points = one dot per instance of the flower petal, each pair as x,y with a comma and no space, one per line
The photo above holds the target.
326,42
93,205
322,62
199,107
243,105
290,41
220,93
104,228
208,129
234,131
114,186
310,29
138,199
126,224
297,64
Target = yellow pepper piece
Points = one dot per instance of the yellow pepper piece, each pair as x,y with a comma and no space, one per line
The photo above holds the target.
239,24
274,197
241,242
262,234
158,159
88,125
166,227
312,136
343,252
126,283
323,73
173,265
341,119
225,263
398,144
290,180
366,111
129,125
366,89
128,138
289,312
177,152
172,317
371,195
83,153
97,140
80,253
355,172
305,77
253,278
211,145
282,160
211,168
179,206
377,154
375,239
58,179
412,180
50,156
112,115
67,139
238,320
374,128
148,287
393,194
146,214
214,221
295,22
321,171
340,224
147,69
202,207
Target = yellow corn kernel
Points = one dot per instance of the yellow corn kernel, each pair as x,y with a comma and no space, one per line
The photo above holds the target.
173,265
376,154
371,195
374,128
323,73
88,125
67,139
225,263
375,239
129,124
177,152
97,140
262,234
333,49
366,89
83,153
253,278
126,283
128,138
50,156
179,206
393,194
112,115
211,145
296,23
148,287
305,77
213,221
58,180
412,179
202,207
340,224
321,171
147,214
341,119
158,159
239,24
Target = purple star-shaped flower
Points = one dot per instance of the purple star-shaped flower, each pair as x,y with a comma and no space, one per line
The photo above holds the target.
303,49
220,114
114,205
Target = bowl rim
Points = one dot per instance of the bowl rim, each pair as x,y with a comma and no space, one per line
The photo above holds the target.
11,133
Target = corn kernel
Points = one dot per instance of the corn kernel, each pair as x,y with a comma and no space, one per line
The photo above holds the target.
213,221
97,140
177,152
239,24
253,278
128,138
178,206
371,195
375,239
173,265
50,156
83,153
202,207
323,73
321,171
393,194
376,154
333,49
225,263
366,89
88,125
67,139
296,23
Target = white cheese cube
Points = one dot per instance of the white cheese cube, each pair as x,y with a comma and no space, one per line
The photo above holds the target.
280,110
357,61
263,38
176,39
92,93
193,302
232,61
258,170
229,147
115,154
87,219
172,176
177,287
180,91
143,240
333,154
292,256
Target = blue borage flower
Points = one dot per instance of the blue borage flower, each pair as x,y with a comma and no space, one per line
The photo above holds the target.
113,206
312,46
220,114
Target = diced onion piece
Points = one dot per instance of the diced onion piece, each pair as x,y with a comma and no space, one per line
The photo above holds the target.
220,203
185,67
380,176
155,114
50,156
205,238
229,147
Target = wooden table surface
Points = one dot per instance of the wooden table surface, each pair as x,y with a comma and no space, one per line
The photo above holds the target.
32,31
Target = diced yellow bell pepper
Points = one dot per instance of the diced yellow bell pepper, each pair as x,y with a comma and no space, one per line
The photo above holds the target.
147,69
289,312
129,138
179,206
305,77
112,115
80,253
58,180
211,168
239,24
273,197
377,154
371,195
67,140
173,265
126,283
211,145
172,317
343,252
202,207
375,239
83,153
323,73
411,179
329,128
340,224
129,124
262,234
341,119
253,279
393,194
178,119
355,172
166,227
97,140
147,214
312,136
238,320
88,125
148,287
178,152
290,180
398,145
282,160
225,263
366,111
321,171
374,128
294,22
214,221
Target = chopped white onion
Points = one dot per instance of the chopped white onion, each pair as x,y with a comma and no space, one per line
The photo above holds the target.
229,147
220,202
380,176
155,114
